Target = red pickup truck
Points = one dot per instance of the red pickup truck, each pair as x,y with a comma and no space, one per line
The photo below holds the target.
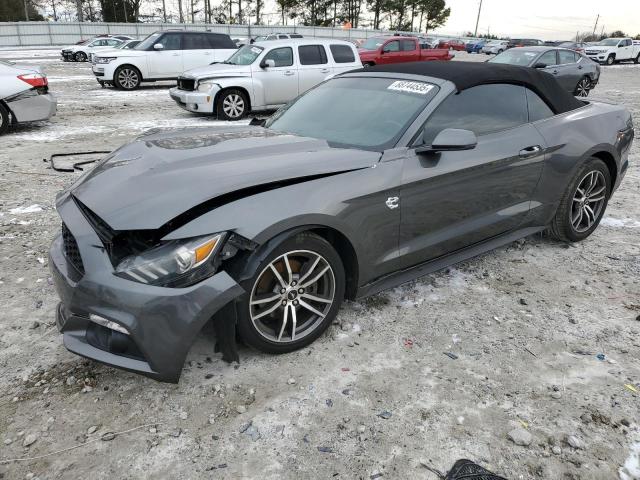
383,50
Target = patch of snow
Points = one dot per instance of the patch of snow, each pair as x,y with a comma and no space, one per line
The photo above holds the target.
620,222
631,468
30,209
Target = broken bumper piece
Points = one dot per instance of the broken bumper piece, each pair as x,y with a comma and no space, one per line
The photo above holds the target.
141,328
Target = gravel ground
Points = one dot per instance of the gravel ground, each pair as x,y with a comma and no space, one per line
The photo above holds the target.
523,391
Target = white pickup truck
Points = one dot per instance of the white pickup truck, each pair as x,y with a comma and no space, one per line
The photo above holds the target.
614,50
263,76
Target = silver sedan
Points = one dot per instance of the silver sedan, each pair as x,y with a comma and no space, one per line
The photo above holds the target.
575,73
24,95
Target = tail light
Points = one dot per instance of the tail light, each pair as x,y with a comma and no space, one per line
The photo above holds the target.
34,79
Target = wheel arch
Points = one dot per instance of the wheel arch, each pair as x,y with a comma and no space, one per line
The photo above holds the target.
115,70
246,267
610,162
234,87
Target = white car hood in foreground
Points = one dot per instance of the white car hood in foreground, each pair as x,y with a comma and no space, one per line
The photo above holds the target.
219,70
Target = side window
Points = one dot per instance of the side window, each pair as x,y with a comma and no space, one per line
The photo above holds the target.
295,35
217,40
342,54
407,45
538,109
282,56
393,46
566,56
195,41
483,109
312,55
171,41
282,37
113,43
548,58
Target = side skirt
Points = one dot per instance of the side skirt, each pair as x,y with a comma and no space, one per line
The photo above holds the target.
422,269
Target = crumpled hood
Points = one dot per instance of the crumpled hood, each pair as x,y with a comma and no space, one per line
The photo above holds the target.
218,70
152,180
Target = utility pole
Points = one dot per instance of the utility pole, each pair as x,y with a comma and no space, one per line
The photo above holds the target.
26,10
164,11
478,19
596,25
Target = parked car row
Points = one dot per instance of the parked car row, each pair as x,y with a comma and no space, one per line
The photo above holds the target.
82,51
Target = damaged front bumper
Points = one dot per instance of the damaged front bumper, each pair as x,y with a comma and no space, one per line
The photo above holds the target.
194,101
153,327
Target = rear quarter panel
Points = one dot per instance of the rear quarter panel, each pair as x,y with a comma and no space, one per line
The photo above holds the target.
571,139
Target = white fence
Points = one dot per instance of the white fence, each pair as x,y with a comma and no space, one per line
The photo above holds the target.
13,34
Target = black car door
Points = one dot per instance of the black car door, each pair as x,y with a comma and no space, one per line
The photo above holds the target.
450,200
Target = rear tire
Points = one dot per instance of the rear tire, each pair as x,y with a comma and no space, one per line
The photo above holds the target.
575,220
583,87
273,332
232,105
80,57
127,77
4,119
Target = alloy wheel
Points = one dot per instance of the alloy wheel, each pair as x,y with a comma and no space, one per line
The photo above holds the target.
233,105
588,201
292,296
128,78
583,88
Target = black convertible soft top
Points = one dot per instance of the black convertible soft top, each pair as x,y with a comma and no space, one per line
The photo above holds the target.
469,74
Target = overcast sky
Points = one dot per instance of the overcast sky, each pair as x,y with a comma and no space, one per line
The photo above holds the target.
545,19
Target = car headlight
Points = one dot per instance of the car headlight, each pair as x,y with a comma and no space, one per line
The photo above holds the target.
204,86
105,59
176,263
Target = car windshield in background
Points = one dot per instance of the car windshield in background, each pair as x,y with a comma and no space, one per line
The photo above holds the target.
609,42
245,56
368,113
147,42
372,43
515,57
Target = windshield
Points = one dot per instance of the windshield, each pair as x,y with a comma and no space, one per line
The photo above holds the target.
245,56
147,42
515,57
260,38
609,42
373,43
367,113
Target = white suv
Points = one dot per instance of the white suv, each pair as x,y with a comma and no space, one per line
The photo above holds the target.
263,76
161,56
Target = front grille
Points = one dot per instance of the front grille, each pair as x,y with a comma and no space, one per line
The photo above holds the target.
71,250
591,52
186,84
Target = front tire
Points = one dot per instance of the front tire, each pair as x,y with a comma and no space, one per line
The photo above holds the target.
232,105
294,295
583,88
80,57
127,77
4,119
637,59
611,59
584,202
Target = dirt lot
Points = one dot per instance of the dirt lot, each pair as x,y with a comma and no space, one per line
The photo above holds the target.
376,396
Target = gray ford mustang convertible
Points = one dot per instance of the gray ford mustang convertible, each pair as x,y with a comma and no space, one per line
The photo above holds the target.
367,181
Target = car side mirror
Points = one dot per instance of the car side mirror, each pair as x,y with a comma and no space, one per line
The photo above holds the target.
540,65
450,140
158,46
268,63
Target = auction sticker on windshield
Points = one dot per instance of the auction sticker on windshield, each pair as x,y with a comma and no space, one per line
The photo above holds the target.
411,87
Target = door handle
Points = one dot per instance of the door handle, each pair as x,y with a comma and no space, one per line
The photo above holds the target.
325,70
555,72
530,151
175,54
288,73
580,67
